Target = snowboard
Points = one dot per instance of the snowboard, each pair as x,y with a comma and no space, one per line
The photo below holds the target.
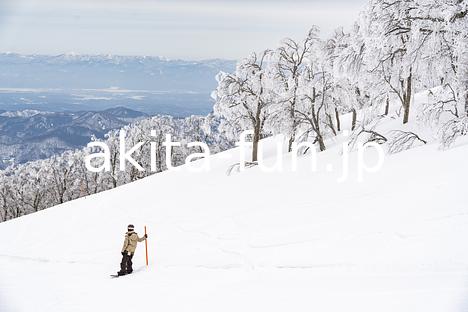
133,272
116,275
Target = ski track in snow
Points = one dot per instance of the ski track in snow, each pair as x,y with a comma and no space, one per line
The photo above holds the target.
299,243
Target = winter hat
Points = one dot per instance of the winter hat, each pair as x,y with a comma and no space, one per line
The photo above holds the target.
130,227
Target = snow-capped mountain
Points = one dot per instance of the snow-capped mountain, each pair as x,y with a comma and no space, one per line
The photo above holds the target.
30,135
22,113
71,71
72,82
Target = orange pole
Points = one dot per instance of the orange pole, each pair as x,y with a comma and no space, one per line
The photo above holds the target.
146,248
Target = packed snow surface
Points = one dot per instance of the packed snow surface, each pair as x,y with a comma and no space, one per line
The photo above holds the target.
254,241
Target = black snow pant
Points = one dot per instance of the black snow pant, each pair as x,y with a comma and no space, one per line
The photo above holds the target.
126,264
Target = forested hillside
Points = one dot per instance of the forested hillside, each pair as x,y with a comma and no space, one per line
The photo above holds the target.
401,73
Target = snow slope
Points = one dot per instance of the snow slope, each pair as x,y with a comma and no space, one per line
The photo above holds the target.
254,241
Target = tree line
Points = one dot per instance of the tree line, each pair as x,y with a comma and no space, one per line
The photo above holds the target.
301,89
395,49
40,184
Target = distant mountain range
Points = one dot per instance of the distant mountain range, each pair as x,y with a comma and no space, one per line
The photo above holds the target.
70,82
29,135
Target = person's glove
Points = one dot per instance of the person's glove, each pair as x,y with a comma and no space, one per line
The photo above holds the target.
146,235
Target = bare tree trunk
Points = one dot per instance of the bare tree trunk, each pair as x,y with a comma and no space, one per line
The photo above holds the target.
387,106
158,153
320,142
407,99
37,202
293,130
353,122
315,123
158,158
95,187
338,121
256,135
291,140
114,168
466,102
256,139
60,184
330,124
406,109
3,209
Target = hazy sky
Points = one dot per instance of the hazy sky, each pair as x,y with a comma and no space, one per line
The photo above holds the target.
188,29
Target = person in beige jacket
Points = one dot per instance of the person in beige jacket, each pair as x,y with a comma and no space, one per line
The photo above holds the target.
128,250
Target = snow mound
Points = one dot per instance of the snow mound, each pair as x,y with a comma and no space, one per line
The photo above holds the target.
254,241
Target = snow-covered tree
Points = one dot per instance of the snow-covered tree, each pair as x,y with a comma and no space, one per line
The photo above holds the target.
392,51
444,25
40,184
243,98
290,64
317,99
